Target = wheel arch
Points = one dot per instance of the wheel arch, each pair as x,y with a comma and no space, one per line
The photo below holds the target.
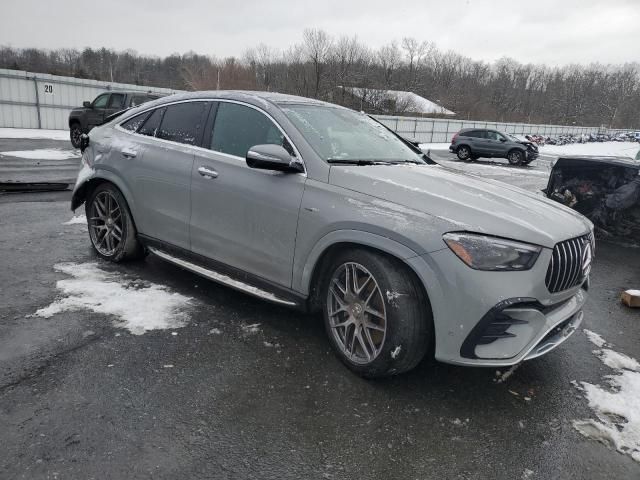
82,190
318,261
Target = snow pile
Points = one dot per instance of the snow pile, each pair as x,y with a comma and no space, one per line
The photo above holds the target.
43,154
425,147
77,220
617,406
618,149
34,133
139,306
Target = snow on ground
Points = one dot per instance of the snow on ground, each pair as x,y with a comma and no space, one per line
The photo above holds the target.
34,133
623,149
43,154
139,306
617,405
77,220
434,146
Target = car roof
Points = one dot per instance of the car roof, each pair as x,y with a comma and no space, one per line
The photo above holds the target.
577,160
139,92
249,96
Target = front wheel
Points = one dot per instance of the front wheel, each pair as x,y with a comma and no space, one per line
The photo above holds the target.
376,316
75,132
111,229
515,157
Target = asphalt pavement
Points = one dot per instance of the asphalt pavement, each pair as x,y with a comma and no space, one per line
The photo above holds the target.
82,398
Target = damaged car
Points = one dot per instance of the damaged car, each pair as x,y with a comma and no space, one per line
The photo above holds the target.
312,205
604,189
473,143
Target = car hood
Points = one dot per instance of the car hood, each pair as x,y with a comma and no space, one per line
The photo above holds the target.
466,202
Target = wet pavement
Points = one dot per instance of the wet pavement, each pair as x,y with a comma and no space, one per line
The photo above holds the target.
80,398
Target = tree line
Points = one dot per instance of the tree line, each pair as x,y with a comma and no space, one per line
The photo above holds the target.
326,67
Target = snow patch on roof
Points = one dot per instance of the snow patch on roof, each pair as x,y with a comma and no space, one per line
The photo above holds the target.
405,102
138,306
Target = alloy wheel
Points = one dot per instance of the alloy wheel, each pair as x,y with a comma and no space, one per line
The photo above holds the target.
357,314
105,223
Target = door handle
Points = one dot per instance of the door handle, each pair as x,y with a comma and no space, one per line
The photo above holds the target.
207,172
128,153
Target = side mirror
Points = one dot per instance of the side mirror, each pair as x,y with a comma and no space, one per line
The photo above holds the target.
86,104
273,157
502,139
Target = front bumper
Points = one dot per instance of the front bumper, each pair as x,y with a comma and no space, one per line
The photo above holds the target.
498,319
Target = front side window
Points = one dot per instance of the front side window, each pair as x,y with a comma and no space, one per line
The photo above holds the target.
150,127
494,135
182,122
237,128
117,101
101,101
339,134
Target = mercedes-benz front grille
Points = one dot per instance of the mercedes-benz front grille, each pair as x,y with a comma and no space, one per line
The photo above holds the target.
566,264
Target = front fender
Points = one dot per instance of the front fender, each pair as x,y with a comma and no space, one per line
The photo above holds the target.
304,268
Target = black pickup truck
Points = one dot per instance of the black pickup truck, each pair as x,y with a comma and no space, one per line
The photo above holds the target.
84,118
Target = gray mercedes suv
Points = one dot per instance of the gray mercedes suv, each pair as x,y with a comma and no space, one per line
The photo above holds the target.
311,205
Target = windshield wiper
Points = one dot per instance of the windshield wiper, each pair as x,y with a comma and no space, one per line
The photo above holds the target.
344,161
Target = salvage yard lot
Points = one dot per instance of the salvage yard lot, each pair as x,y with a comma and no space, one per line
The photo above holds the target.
205,382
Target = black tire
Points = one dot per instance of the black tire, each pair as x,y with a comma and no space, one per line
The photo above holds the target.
128,247
408,319
463,152
516,157
75,132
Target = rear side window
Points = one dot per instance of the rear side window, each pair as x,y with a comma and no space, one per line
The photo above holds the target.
140,99
133,124
152,123
238,128
183,122
116,101
474,134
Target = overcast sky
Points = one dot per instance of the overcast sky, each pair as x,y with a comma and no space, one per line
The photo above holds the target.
540,31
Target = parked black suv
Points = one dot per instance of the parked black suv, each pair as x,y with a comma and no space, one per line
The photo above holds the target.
84,118
473,143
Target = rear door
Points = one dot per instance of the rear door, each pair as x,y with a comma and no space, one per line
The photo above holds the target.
240,216
477,141
160,170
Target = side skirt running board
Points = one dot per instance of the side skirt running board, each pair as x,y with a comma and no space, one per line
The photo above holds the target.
223,279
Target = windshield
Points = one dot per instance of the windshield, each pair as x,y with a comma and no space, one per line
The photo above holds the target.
342,135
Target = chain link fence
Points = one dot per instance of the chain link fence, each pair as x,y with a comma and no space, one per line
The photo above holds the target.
439,130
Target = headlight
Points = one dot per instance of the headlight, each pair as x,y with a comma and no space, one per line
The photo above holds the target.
482,252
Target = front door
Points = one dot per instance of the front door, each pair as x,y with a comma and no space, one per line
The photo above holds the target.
240,216
95,114
116,103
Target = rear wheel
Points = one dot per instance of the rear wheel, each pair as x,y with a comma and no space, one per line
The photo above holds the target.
516,157
375,314
75,132
464,152
111,229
